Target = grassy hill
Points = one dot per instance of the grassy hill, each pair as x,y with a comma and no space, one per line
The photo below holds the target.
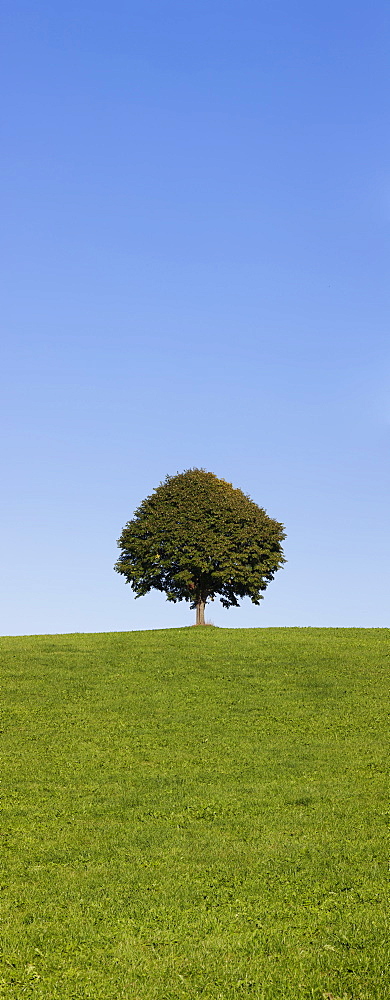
195,814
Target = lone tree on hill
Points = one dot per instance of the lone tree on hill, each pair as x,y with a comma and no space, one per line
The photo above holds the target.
197,537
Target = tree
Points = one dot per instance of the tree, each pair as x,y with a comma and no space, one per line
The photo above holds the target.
197,537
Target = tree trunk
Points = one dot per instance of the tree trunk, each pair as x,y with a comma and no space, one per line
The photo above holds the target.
200,612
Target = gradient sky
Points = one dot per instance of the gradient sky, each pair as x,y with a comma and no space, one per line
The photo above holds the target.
195,257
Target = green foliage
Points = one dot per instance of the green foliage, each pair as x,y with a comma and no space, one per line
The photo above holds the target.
197,537
196,814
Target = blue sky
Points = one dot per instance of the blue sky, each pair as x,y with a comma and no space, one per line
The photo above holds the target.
195,204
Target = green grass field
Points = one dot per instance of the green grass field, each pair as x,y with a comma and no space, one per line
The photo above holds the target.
196,813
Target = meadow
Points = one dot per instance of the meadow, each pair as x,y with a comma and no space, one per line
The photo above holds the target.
195,813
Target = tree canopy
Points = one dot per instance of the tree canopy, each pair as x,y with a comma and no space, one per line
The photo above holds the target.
197,537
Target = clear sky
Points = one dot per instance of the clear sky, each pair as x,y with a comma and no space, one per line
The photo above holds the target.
195,206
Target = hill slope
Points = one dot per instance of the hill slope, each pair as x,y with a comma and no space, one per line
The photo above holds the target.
196,813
